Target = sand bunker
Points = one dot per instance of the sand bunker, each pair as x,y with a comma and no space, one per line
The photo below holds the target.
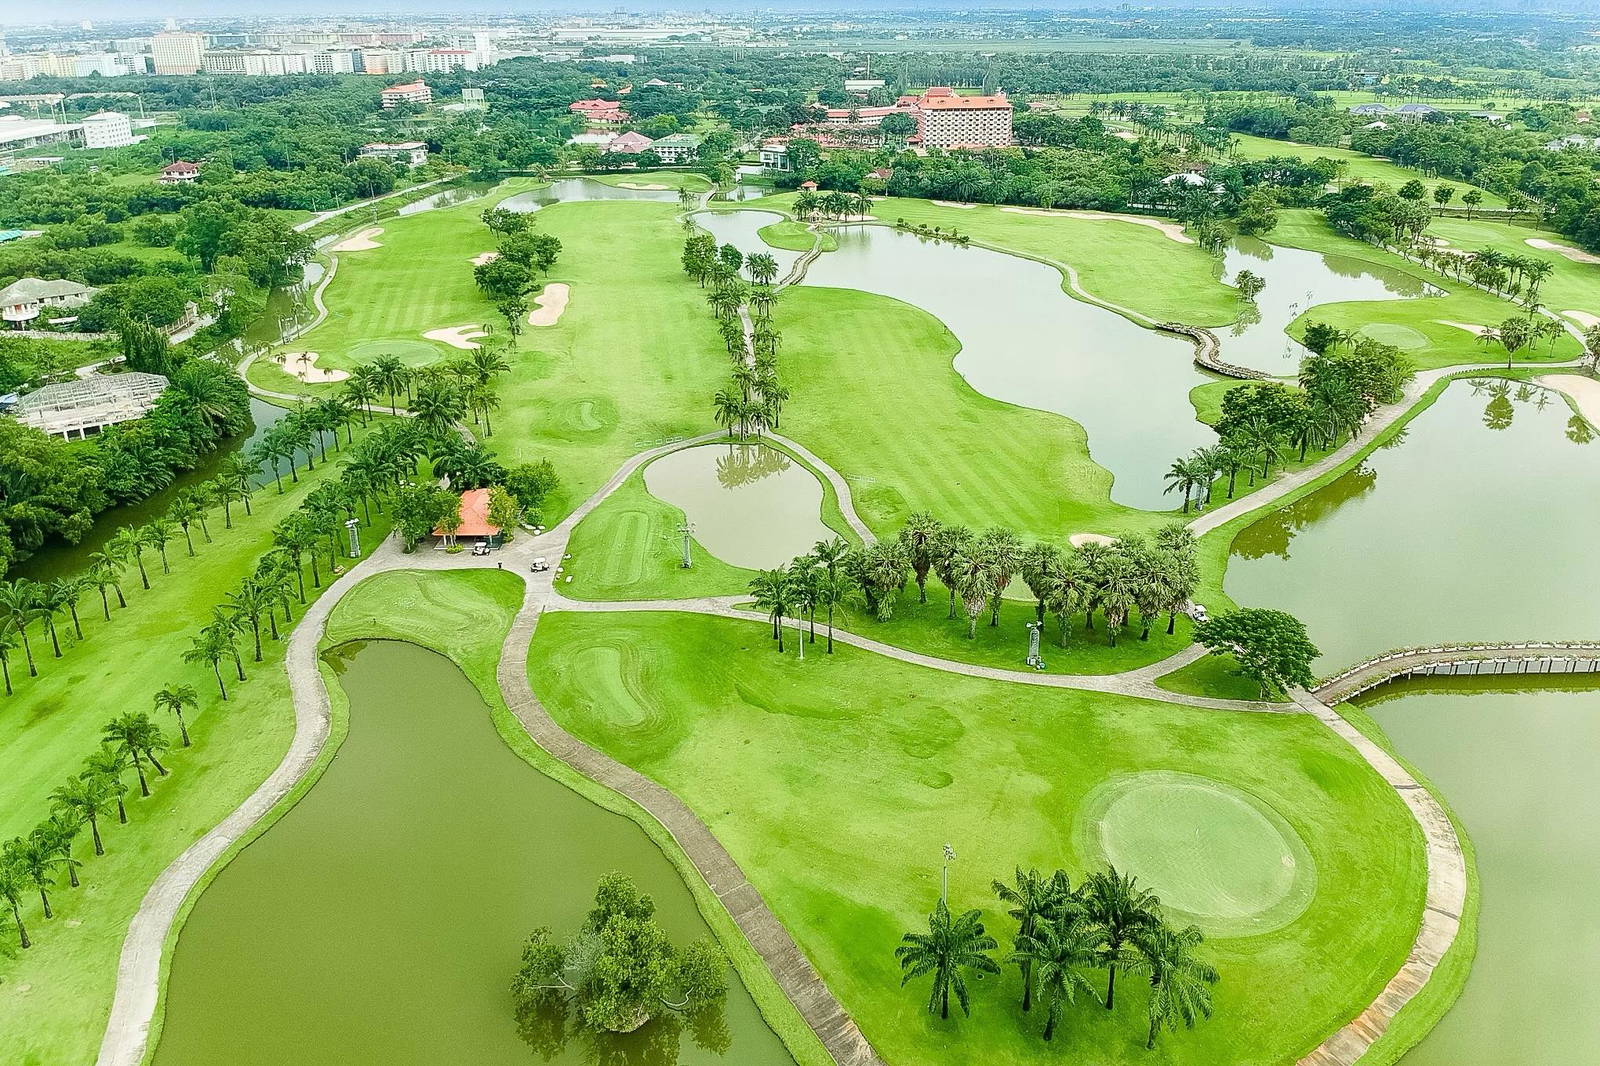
1476,331
303,365
1585,392
952,203
1125,135
1172,230
360,242
1078,540
457,336
484,257
652,187
1583,318
549,304
1577,255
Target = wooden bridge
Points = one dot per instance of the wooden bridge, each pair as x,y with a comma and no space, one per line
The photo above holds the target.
1461,660
1207,351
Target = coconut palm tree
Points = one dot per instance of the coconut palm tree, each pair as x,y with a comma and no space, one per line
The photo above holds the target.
47,602
227,628
949,950
89,799
183,514
34,862
175,698
1183,475
18,601
1120,911
12,886
918,537
107,764
58,833
1180,983
66,592
208,647
241,472
129,542
8,644
139,738
1058,950
763,268
1034,898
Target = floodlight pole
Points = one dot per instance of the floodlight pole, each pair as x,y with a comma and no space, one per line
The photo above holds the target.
944,876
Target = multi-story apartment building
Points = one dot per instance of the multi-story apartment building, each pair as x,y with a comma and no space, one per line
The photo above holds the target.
107,129
416,92
177,53
441,60
946,120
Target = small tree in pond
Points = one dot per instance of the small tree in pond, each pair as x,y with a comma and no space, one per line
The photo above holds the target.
620,969
1271,647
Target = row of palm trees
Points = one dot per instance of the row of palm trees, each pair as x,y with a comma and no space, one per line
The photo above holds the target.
752,401
472,375
1108,922
24,602
808,204
36,862
1520,277
1113,579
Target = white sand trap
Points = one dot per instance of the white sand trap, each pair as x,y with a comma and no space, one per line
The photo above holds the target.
303,365
1172,230
1583,318
856,218
1126,135
484,257
549,304
952,203
1078,540
360,242
652,187
1577,255
1585,392
1476,331
457,336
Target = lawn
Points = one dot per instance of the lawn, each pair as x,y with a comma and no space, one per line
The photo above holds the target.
1358,166
834,783
793,236
1573,286
465,616
676,179
54,998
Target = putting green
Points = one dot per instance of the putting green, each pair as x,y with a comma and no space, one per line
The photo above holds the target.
411,353
1394,333
1216,855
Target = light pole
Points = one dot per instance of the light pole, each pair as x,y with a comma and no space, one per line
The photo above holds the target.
944,876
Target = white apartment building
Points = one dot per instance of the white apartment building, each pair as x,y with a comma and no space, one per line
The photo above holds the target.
409,153
177,53
341,61
383,61
945,120
416,92
107,129
440,60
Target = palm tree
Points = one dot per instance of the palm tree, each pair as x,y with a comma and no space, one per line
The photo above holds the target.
33,861
1001,550
107,764
175,698
226,628
949,950
110,560
58,833
100,578
89,798
11,889
1184,474
1033,899
971,578
1058,949
17,604
47,601
918,537
136,736
1120,911
184,513
949,546
8,644
65,592
239,471
157,534
771,590
1180,984
728,409
129,541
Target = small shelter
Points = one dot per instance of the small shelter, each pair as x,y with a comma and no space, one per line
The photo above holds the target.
473,521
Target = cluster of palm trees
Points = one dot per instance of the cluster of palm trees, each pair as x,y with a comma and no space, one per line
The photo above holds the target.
1113,578
1063,935
35,863
753,399
1517,333
844,205
24,602
471,377
1519,277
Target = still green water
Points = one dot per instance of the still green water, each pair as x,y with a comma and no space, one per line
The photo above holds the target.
1472,527
1518,768
381,919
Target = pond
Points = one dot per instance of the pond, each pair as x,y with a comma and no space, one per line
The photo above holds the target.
750,505
1296,280
742,230
381,919
60,559
458,194
1473,528
569,189
1025,341
1518,768
740,193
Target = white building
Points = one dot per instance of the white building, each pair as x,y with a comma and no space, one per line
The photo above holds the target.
411,153
22,301
88,405
334,61
107,129
416,92
18,134
441,60
862,86
177,53
775,153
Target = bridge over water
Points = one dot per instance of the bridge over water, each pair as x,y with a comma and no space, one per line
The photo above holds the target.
1461,660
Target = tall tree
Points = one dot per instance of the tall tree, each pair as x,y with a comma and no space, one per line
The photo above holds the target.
952,948
1120,911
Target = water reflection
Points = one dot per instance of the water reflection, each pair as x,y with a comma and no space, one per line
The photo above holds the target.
750,505
570,189
1297,280
450,197
1464,533
551,1031
742,230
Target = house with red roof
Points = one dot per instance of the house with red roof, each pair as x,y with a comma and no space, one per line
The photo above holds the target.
180,173
630,143
599,110
473,521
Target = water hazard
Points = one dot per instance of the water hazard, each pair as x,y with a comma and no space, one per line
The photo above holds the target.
570,189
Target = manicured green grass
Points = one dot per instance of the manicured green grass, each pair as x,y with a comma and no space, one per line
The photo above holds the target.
675,179
1214,675
834,783
1447,345
54,997
793,236
1573,286
1358,167
465,615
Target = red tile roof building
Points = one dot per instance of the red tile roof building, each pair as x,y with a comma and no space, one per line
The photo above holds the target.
180,173
474,517
946,120
630,143
416,92
599,110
